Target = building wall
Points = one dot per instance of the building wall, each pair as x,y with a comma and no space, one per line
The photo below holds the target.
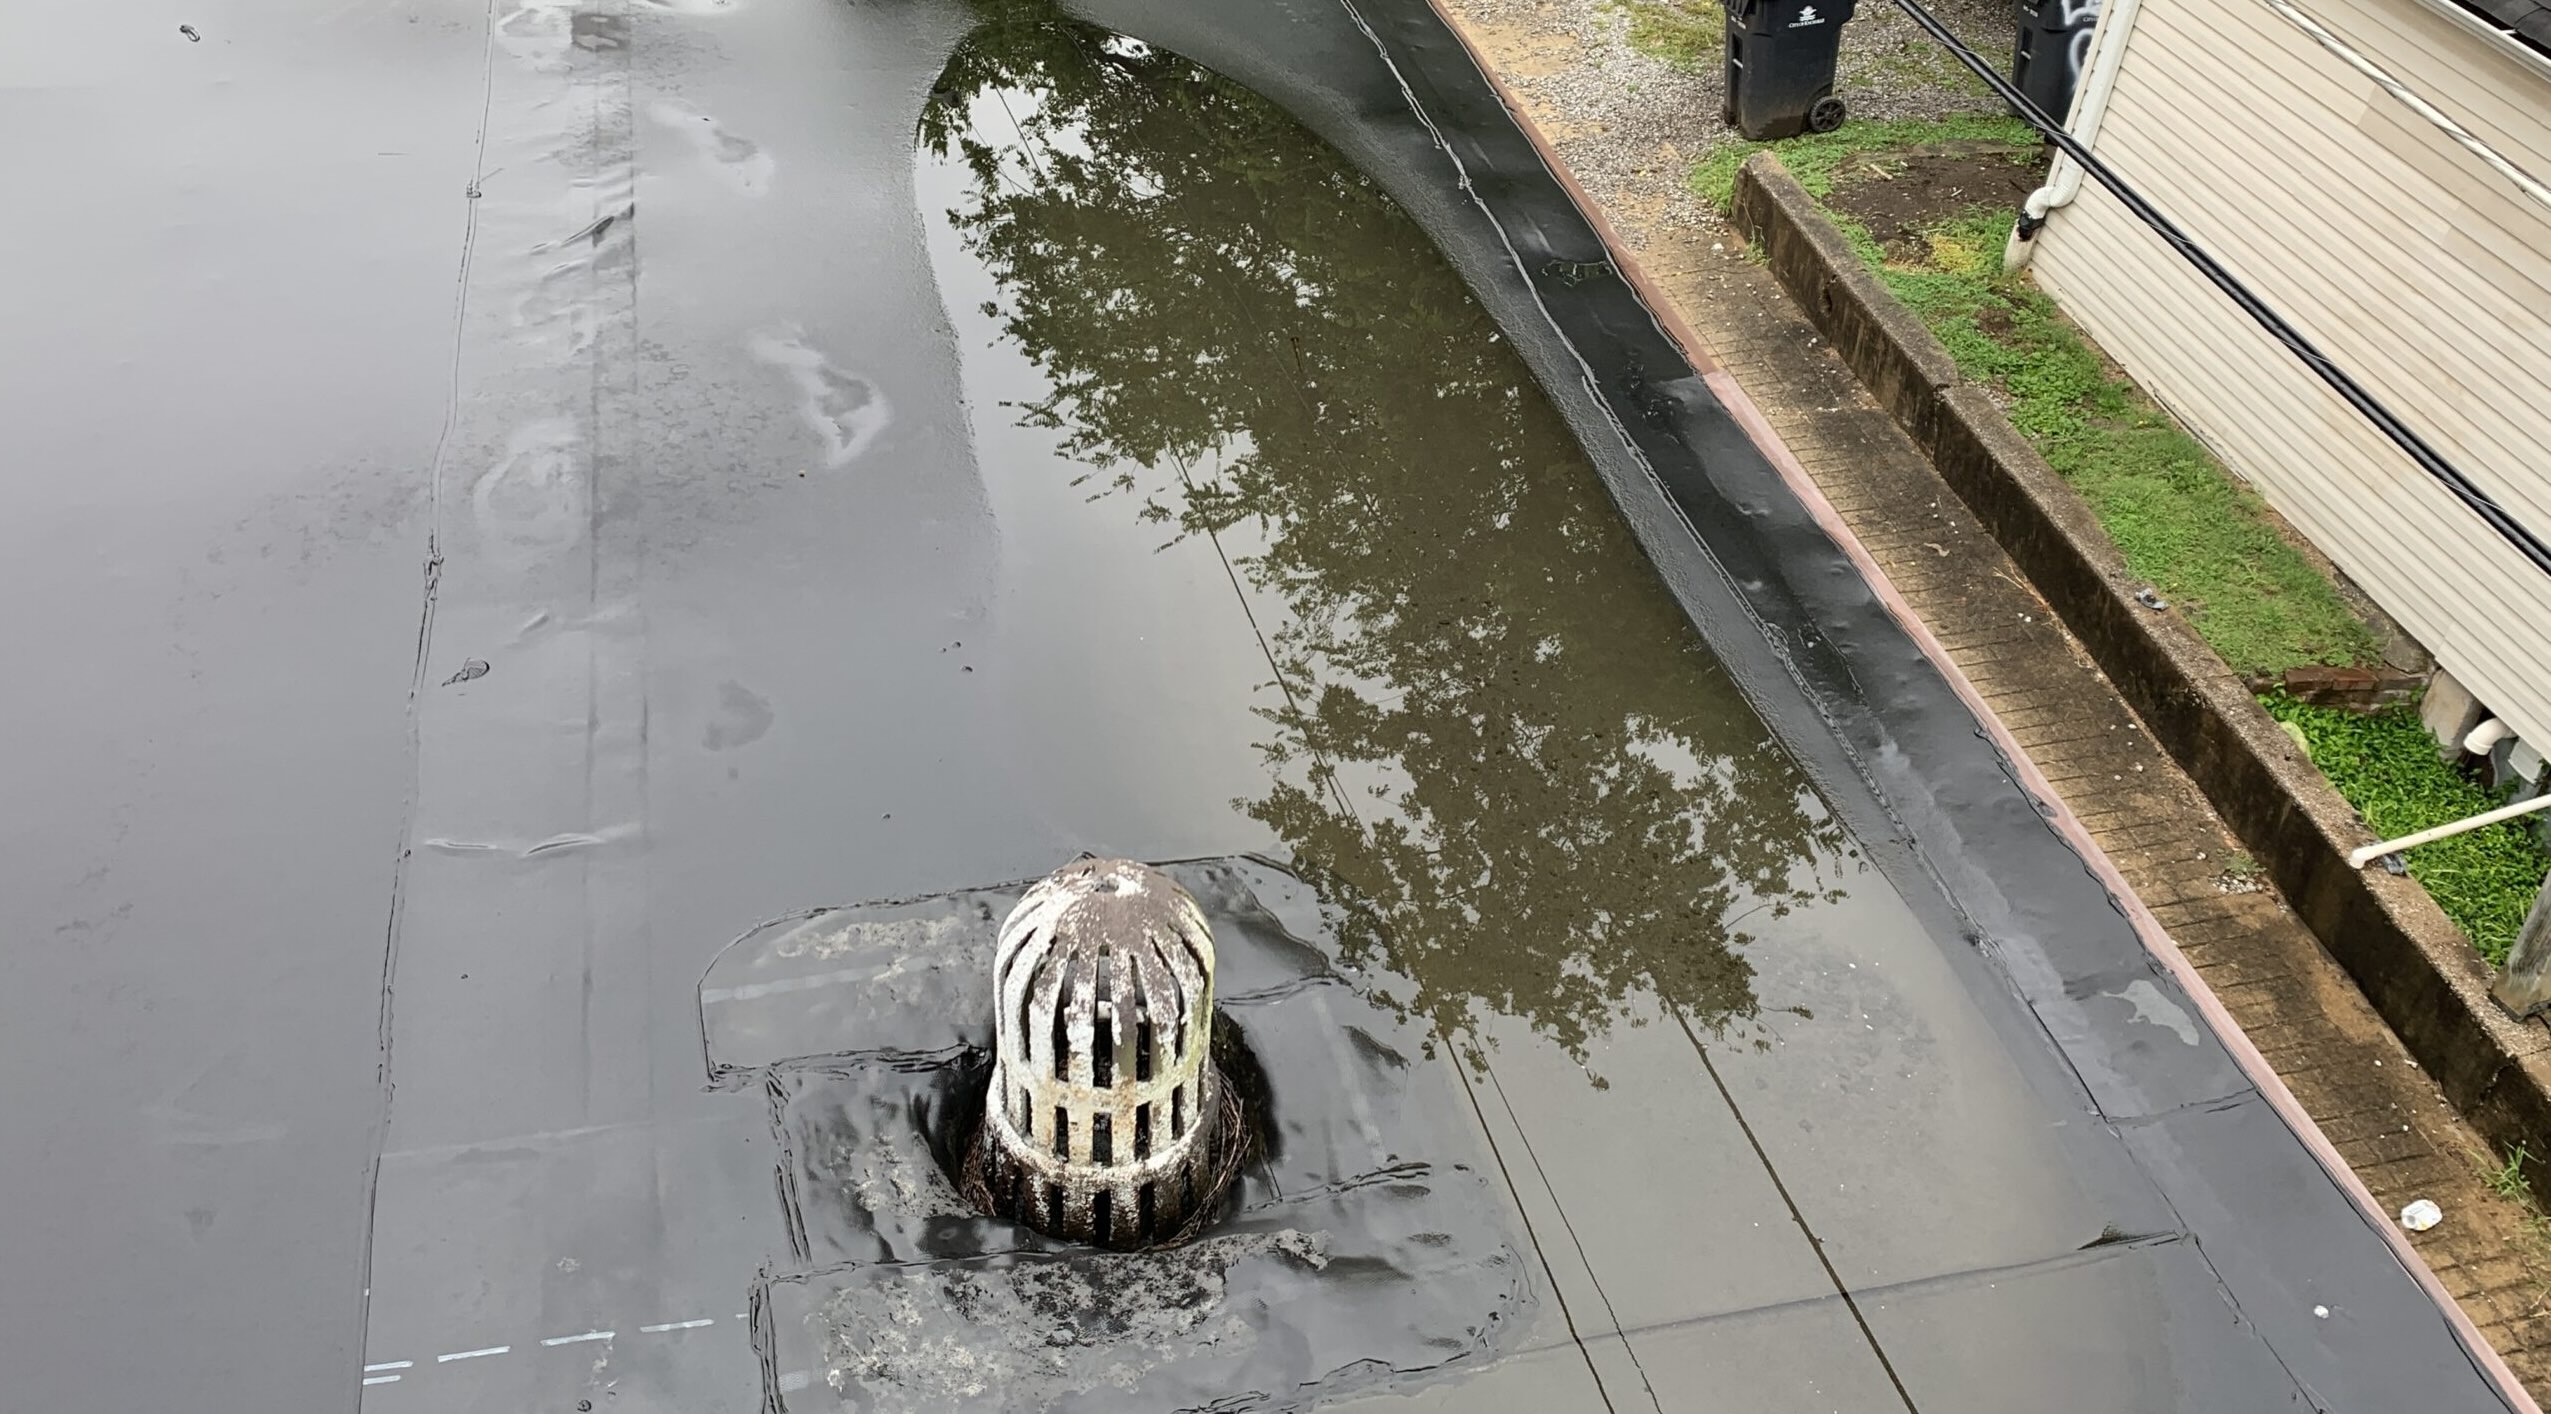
2414,264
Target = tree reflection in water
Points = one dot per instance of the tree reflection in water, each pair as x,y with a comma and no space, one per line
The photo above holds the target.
1500,735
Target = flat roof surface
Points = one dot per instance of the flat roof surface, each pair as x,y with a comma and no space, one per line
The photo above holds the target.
508,501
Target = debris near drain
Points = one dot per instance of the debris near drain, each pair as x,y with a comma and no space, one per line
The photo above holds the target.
2421,1215
2150,600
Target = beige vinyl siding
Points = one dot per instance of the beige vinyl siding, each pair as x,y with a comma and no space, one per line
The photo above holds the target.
2437,58
2413,264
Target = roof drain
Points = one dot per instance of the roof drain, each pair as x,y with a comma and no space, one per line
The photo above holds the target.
1107,1120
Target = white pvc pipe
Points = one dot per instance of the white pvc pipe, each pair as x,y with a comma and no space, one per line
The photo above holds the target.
2365,854
2485,737
2090,107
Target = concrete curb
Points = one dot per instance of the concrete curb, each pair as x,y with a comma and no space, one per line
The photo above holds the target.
2420,973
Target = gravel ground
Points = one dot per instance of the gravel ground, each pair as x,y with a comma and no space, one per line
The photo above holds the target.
1630,123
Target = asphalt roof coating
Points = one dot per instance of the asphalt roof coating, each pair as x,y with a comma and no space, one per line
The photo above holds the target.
779,610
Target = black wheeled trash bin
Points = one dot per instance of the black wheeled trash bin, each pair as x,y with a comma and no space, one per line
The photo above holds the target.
1780,66
2054,43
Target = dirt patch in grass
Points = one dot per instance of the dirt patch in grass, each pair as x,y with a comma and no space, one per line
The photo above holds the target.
1823,161
1897,197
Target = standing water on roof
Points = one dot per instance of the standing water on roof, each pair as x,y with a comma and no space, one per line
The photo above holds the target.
1201,334
1286,523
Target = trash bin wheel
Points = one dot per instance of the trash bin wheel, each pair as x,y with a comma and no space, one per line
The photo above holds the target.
1826,116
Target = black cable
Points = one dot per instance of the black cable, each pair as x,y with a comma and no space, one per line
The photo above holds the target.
2427,458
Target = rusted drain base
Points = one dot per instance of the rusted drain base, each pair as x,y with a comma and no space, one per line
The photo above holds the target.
1163,1213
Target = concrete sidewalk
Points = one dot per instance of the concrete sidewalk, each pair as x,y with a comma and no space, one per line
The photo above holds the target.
2298,1007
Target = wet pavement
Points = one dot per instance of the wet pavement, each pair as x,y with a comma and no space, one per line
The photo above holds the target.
509,501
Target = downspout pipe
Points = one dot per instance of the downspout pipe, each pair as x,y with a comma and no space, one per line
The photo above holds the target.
2090,105
2485,737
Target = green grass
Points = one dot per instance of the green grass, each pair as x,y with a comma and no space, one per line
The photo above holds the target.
2507,1180
2386,765
2184,525
1814,158
1685,33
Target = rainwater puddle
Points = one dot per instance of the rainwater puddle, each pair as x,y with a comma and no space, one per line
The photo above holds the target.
1227,390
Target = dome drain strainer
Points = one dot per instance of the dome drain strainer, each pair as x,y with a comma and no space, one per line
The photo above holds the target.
1107,1120
1365,1241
